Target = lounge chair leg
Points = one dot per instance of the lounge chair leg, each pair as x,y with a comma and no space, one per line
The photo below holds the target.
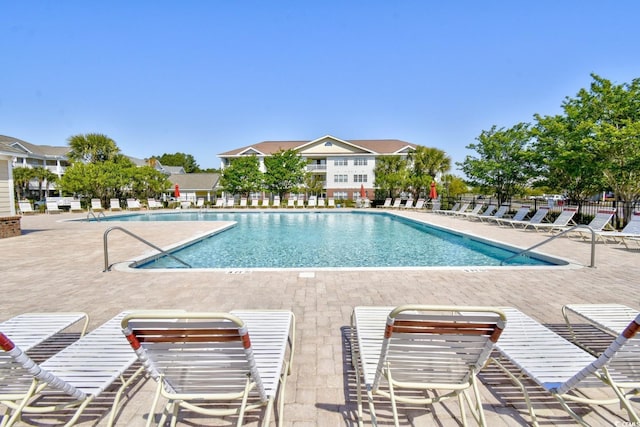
374,420
516,381
154,404
479,411
392,396
570,411
118,396
463,413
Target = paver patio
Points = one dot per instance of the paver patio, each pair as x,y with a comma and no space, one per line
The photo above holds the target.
57,265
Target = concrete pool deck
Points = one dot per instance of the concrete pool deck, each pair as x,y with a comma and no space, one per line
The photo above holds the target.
57,265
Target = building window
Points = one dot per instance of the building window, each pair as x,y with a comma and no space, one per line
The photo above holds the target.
360,162
340,178
340,162
360,178
340,195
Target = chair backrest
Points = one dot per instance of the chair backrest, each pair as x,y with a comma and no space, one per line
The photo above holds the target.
300,202
502,211
396,202
419,204
565,216
312,202
96,204
25,207
602,218
52,206
194,353
387,202
622,359
254,203
435,205
439,337
521,213
476,209
200,202
633,226
321,202
331,202
463,207
540,214
408,204
219,202
114,203
243,202
291,202
489,211
456,207
276,201
265,202
231,201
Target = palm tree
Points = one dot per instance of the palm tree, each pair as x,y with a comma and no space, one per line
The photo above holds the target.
426,163
44,176
21,178
92,148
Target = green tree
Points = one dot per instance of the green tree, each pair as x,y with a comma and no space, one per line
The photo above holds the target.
504,163
313,184
92,148
285,171
148,182
187,161
242,176
425,164
391,175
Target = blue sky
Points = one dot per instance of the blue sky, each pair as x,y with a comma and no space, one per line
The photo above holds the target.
204,77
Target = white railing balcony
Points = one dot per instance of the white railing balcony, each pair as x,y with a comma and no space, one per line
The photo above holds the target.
314,167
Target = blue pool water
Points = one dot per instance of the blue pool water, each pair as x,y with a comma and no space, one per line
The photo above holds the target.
327,239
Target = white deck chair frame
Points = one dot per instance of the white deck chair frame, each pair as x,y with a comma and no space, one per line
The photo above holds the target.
52,208
400,346
215,357
561,222
81,371
25,208
536,219
455,208
386,204
559,366
520,215
114,205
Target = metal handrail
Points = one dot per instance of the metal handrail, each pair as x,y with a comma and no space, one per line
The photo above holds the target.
97,218
107,267
593,244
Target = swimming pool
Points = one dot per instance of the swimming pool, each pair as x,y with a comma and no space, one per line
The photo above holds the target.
350,239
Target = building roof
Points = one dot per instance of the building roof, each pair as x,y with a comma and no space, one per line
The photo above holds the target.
195,181
27,149
372,146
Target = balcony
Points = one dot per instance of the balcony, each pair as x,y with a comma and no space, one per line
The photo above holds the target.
316,167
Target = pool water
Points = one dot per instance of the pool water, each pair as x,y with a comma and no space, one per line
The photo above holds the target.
328,239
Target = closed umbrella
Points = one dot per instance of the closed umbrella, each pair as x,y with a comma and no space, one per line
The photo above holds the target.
363,193
433,194
177,191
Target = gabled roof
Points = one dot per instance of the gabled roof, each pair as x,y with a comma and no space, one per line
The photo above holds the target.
44,151
372,146
195,181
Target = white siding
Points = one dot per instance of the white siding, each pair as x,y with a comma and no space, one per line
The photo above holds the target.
7,207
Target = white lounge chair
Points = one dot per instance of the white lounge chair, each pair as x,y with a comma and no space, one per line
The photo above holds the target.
386,204
96,205
396,203
133,204
520,215
52,208
25,208
219,202
499,213
321,202
559,367
291,202
422,348
490,210
600,222
255,203
265,202
200,202
536,219
630,232
473,212
75,206
419,204
153,204
243,202
300,202
203,358
331,202
81,372
276,201
455,208
407,205
231,202
609,318
312,203
560,223
115,205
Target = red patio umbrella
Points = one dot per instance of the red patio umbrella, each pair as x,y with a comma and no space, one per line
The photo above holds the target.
433,194
363,193
177,191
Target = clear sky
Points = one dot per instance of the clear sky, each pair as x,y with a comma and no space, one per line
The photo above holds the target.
204,77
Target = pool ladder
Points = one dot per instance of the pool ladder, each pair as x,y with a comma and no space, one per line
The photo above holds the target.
96,217
593,244
107,267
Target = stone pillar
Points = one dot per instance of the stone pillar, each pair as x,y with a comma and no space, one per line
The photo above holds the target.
10,226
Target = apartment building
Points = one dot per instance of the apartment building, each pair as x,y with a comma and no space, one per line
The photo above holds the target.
343,166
